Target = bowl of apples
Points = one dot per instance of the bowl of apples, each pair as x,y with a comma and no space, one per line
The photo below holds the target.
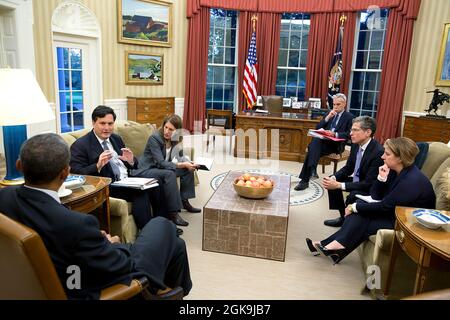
253,187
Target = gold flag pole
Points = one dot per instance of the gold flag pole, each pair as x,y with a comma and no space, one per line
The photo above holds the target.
342,20
254,19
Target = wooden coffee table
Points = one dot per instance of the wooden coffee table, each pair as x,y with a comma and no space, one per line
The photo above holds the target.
247,227
92,197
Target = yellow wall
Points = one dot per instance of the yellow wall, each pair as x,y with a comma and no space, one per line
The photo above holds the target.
113,52
421,76
425,51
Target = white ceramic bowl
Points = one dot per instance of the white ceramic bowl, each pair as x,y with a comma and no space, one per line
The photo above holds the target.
431,218
73,181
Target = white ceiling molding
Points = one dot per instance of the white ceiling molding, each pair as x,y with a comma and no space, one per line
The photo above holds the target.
73,17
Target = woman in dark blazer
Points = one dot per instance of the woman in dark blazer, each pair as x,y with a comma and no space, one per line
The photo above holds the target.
399,183
158,161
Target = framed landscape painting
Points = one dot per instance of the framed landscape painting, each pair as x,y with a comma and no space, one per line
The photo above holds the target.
443,71
145,22
143,68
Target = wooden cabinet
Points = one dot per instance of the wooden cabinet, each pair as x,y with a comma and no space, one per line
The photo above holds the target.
426,129
150,110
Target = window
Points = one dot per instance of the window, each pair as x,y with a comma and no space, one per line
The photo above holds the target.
221,80
367,62
70,88
291,76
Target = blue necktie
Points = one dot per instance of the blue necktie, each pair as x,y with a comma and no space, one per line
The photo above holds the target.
114,166
335,122
357,165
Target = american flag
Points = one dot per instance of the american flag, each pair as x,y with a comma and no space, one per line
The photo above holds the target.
251,73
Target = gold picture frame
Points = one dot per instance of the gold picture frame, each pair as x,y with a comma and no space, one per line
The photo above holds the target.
443,70
144,68
144,22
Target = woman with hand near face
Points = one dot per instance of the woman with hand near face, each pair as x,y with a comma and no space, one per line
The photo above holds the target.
399,183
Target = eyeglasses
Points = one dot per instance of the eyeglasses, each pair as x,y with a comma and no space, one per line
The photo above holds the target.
355,130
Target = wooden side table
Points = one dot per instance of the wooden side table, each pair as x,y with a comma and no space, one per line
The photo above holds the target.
426,247
93,196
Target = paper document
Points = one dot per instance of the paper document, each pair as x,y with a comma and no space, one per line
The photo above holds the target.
136,183
366,198
262,111
204,163
322,135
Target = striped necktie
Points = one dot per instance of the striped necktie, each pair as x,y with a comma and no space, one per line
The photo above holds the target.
115,168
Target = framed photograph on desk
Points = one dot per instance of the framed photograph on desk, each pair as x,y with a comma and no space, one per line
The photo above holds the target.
443,71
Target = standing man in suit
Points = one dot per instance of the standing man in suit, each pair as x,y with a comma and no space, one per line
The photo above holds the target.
103,153
74,239
359,172
336,123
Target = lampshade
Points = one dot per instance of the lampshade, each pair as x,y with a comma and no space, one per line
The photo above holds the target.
21,99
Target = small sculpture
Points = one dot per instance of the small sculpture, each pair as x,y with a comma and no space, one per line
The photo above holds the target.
438,99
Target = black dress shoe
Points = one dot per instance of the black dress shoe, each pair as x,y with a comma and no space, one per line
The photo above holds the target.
301,186
311,247
335,255
187,206
334,222
179,221
179,232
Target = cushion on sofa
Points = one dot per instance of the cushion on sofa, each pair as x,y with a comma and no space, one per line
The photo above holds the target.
437,154
442,189
68,138
134,135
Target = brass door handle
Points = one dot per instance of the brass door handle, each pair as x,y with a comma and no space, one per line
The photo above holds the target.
400,236
146,108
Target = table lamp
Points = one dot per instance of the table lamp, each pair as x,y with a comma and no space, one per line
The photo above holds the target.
21,102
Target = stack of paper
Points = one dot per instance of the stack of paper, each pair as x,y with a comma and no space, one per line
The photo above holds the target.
321,134
368,199
204,163
136,183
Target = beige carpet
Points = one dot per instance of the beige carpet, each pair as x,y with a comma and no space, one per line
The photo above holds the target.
301,276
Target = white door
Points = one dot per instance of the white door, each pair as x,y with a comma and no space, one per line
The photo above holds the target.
73,85
8,43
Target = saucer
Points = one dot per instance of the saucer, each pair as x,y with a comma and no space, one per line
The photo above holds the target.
65,193
432,219
74,181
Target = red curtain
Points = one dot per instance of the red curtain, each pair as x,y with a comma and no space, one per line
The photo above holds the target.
196,70
347,50
322,42
395,69
280,6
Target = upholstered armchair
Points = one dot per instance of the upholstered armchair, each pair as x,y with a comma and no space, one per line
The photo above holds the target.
377,250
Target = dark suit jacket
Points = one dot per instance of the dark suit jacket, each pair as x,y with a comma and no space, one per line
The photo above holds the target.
71,238
154,156
343,127
410,188
85,152
368,170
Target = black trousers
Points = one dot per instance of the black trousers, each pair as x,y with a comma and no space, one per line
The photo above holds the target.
145,203
172,195
316,149
336,199
358,228
161,255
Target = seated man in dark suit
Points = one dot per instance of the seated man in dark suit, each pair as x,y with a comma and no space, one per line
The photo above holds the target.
337,123
359,172
74,239
103,153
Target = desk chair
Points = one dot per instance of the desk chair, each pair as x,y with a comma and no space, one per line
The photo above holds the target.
217,122
28,273
334,158
273,104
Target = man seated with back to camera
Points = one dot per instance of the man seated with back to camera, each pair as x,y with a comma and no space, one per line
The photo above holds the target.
103,153
336,123
73,238
359,172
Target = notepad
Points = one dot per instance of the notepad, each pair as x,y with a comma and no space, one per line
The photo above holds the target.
136,183
204,163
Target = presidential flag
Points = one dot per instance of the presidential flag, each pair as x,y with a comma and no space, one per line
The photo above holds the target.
251,74
334,79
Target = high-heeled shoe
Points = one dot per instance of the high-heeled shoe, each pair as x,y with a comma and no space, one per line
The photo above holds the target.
336,255
311,247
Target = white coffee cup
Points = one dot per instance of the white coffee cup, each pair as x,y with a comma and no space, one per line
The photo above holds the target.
62,189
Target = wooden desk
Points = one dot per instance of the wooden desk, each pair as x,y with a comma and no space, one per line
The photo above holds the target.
426,247
293,139
422,129
92,197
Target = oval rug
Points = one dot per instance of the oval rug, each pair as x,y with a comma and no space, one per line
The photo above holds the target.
313,193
